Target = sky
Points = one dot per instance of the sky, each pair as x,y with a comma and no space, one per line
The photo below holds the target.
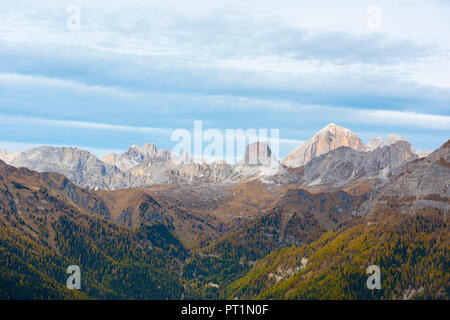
135,71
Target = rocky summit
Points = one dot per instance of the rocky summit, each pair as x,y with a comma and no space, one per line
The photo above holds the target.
344,166
79,166
259,153
380,142
420,184
136,155
329,138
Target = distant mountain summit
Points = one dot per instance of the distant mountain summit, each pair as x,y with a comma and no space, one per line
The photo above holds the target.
379,142
79,166
421,184
259,153
7,157
136,155
329,138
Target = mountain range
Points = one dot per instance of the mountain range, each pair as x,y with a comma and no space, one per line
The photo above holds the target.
146,165
148,224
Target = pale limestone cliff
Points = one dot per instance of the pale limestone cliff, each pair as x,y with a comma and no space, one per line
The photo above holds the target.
329,138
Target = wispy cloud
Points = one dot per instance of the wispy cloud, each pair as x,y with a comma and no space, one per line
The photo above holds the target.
404,119
79,125
136,70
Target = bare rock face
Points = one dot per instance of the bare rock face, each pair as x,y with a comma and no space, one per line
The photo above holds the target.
424,153
136,155
379,142
393,138
420,184
344,166
79,166
119,161
375,143
329,138
7,157
184,158
258,153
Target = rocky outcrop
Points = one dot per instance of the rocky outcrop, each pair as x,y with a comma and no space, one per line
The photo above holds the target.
420,184
375,143
393,138
424,153
136,155
329,138
257,153
344,166
7,157
79,166
380,142
184,158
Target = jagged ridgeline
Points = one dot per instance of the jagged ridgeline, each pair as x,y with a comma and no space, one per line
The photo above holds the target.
306,232
146,166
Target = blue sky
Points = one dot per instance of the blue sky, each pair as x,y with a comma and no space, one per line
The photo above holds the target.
137,70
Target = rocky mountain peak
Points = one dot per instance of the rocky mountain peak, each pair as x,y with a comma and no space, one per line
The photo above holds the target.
424,153
393,138
331,127
380,142
8,157
257,153
375,143
136,155
139,154
329,138
184,158
420,184
441,155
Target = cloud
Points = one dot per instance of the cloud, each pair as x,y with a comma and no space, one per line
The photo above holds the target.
405,119
184,51
24,81
79,124
227,30
231,64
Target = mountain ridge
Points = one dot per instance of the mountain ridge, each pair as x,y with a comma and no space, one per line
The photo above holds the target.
146,165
